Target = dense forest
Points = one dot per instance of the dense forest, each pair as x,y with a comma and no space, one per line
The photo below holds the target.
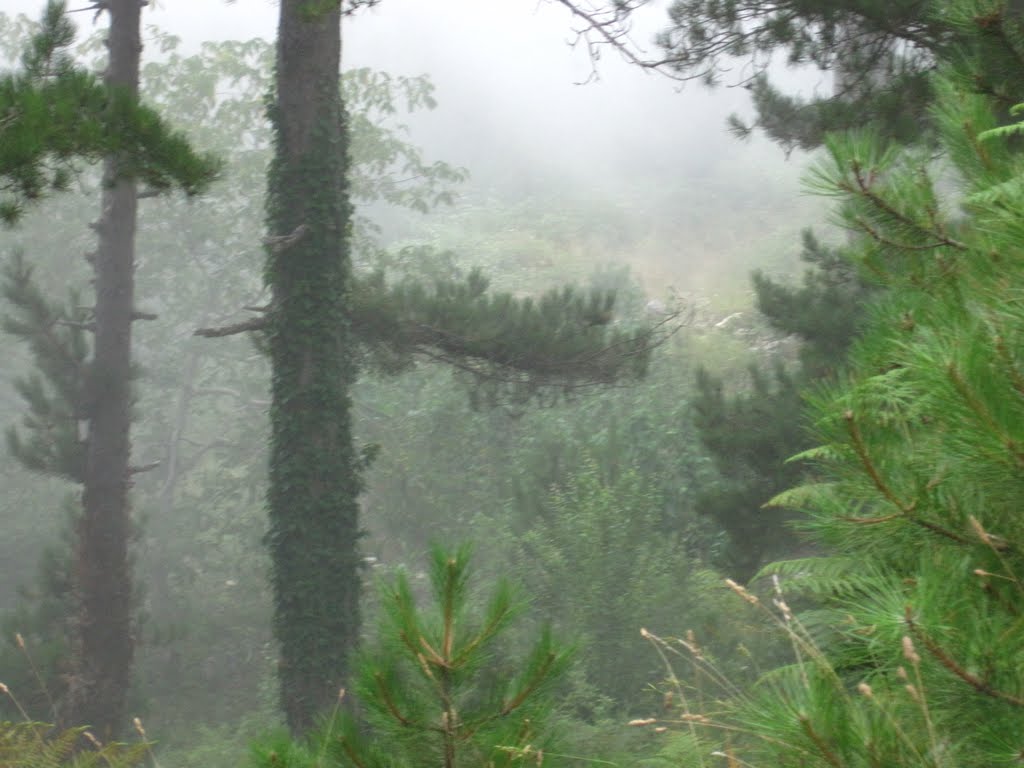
325,449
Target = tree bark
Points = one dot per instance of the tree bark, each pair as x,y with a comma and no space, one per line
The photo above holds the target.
314,474
103,635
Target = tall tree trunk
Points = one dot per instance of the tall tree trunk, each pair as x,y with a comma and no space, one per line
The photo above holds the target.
314,477
103,641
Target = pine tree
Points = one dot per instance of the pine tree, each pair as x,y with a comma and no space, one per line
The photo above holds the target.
314,467
751,431
918,449
319,316
60,114
437,688
880,53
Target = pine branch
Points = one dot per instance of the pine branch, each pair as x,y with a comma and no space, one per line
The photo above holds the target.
983,413
385,696
906,509
56,113
864,186
869,466
540,674
612,27
981,686
830,757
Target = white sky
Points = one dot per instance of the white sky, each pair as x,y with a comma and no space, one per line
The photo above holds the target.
510,107
502,68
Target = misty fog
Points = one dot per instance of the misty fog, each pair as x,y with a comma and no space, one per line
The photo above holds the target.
580,171
531,116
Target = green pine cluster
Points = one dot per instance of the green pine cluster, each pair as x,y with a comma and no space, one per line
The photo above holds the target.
437,686
514,348
752,429
509,347
915,660
56,114
880,52
55,333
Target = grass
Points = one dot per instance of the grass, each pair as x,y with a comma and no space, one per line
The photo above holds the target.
811,716
33,744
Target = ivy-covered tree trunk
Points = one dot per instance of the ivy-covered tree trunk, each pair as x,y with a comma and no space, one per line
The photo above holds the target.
314,480
103,636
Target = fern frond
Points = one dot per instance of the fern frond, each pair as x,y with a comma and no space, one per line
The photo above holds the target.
823,576
803,496
37,745
1002,131
1008,191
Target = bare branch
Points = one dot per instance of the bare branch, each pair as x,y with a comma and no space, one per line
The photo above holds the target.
256,324
90,327
278,243
611,27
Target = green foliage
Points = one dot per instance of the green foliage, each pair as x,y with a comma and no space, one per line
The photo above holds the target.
603,562
205,406
59,114
824,312
880,53
34,745
918,458
513,348
313,340
205,654
439,688
753,432
750,436
444,470
35,642
56,399
379,151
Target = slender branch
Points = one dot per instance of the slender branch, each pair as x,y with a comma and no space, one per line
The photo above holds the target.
869,465
872,520
527,689
865,188
483,635
978,407
352,754
830,757
389,702
435,657
906,510
612,27
472,355
981,686
884,240
82,326
277,243
255,324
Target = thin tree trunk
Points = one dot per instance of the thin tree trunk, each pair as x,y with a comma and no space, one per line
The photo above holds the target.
313,478
104,643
